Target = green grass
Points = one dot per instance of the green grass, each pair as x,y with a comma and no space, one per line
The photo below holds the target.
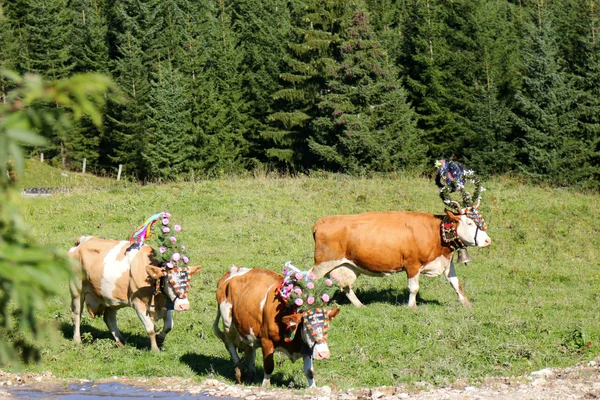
534,291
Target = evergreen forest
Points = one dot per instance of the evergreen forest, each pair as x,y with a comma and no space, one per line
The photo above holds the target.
211,87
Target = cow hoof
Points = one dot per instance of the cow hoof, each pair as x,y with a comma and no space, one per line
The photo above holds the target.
238,375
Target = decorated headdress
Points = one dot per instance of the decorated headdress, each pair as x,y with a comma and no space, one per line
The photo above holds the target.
452,178
168,251
302,291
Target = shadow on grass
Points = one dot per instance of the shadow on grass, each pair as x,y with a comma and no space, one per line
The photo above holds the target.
139,341
387,295
204,365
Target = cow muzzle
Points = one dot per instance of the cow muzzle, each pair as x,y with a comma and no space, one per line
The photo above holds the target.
181,305
482,239
321,351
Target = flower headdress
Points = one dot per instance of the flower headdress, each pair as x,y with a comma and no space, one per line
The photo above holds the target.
168,248
451,178
300,289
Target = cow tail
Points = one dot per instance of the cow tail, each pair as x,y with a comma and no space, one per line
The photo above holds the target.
218,332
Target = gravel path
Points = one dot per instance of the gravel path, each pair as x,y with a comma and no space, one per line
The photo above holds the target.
578,382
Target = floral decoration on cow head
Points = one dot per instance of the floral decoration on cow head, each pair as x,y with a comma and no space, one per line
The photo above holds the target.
451,177
168,248
303,291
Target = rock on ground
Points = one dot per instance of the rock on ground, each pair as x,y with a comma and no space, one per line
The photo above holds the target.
578,382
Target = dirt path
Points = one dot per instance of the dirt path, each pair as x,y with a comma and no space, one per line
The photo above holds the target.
578,382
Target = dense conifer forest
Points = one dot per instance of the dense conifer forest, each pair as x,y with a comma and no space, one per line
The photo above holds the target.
213,87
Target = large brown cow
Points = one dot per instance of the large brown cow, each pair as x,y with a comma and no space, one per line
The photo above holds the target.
382,243
113,274
254,315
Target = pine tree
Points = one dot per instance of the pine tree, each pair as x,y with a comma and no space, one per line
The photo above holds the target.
9,51
365,122
217,100
124,141
265,28
169,149
493,149
49,38
544,117
439,65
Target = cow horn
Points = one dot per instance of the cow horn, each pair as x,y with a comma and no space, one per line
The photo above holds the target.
477,205
458,207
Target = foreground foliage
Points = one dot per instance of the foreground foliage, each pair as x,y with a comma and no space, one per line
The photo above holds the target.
534,290
30,272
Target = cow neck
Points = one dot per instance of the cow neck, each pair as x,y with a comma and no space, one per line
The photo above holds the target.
449,235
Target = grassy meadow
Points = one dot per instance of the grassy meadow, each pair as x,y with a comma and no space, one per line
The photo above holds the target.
535,290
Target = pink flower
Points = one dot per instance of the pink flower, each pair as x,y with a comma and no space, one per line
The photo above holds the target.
166,230
328,282
165,221
299,276
162,250
298,302
182,247
173,239
169,264
335,278
175,257
310,285
298,291
166,215
185,259
177,228
325,297
310,300
311,276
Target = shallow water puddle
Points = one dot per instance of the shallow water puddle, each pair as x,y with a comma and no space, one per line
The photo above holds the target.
100,391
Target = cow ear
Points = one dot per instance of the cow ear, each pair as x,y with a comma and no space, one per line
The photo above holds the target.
453,217
154,272
194,270
333,313
292,320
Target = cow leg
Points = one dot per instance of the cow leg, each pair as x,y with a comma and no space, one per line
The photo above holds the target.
309,371
76,307
140,309
268,362
110,319
167,327
251,359
413,288
453,279
345,277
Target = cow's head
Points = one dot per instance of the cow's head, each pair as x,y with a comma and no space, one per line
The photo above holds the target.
470,226
315,328
174,283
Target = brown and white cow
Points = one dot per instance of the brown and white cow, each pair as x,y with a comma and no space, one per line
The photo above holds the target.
253,316
112,274
382,243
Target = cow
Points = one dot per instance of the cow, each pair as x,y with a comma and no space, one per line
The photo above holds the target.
382,243
112,274
254,315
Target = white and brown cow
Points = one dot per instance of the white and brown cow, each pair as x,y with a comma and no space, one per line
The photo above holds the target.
382,243
112,274
254,315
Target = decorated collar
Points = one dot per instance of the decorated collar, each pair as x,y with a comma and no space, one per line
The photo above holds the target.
449,235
